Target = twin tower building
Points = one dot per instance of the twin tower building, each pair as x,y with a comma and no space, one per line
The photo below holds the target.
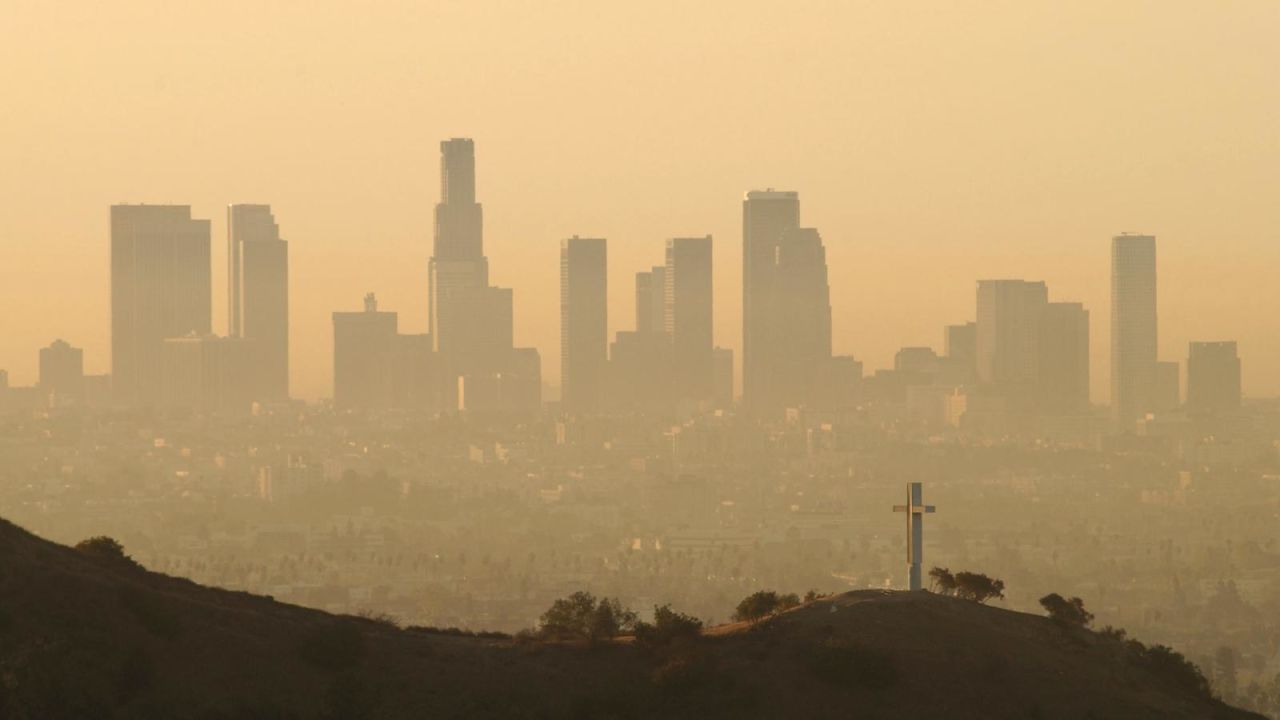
164,353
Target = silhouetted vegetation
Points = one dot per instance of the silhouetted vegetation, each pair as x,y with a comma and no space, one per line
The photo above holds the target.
107,549
942,581
584,617
978,587
1162,661
668,626
1066,611
1170,665
460,632
762,604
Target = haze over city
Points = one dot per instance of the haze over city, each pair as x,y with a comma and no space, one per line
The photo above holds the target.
932,146
640,360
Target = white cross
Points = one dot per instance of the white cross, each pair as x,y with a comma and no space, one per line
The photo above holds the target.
915,510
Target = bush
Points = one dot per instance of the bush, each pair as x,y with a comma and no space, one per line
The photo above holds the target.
844,662
668,626
1170,665
762,604
1066,612
582,616
105,548
942,581
977,587
1114,633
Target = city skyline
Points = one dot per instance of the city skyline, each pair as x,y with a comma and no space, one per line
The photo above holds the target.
258,224
919,188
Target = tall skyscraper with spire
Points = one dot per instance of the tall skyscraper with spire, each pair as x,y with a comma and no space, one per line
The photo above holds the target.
258,298
1133,328
160,274
470,322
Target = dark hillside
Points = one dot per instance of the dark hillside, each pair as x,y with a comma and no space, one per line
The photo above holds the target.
84,636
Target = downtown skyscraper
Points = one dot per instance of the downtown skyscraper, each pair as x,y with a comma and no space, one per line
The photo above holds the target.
1213,377
584,321
687,316
1133,328
160,275
258,298
786,323
470,322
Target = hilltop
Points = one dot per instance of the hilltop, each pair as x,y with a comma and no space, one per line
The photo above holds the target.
85,636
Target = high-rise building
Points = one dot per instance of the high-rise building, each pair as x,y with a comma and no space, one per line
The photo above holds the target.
1063,372
1133,327
160,289
207,373
722,374
1213,377
651,301
364,345
470,321
1168,390
62,373
687,316
413,373
802,318
767,215
840,379
258,297
1007,351
960,352
583,322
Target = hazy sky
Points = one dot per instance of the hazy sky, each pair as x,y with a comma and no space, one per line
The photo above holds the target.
933,144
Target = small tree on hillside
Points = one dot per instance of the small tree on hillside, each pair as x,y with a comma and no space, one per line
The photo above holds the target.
1066,611
610,619
668,626
763,603
978,587
581,615
105,548
942,581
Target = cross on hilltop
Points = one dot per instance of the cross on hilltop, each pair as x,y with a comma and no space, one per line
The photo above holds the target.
915,510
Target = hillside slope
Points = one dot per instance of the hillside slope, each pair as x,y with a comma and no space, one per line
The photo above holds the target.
86,637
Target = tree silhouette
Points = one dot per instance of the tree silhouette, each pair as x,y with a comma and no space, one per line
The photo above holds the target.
1066,611
978,587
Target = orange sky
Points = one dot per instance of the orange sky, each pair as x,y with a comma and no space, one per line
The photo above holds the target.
932,145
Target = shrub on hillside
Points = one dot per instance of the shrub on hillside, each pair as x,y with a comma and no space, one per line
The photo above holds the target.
668,626
1171,666
978,587
942,581
581,615
1066,611
105,548
762,604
